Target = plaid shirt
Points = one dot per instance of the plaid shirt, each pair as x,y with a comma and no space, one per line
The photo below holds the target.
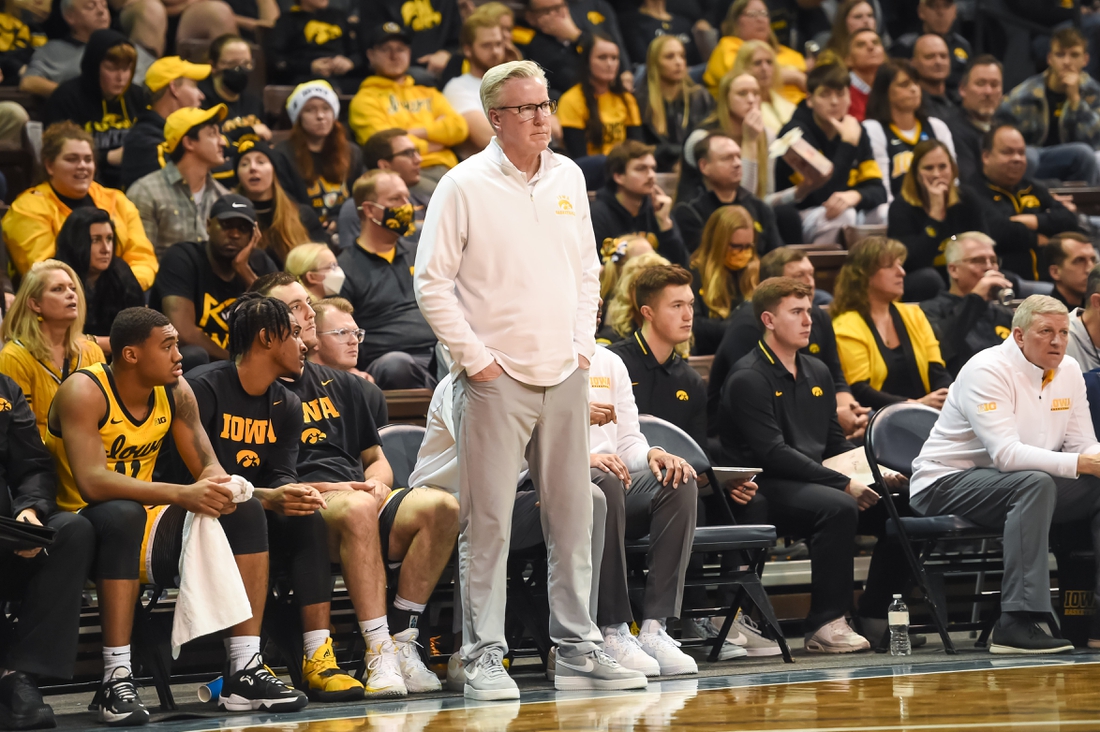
167,207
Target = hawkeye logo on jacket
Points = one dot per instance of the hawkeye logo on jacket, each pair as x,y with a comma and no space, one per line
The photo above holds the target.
817,391
682,395
247,430
319,33
312,436
420,15
247,459
565,207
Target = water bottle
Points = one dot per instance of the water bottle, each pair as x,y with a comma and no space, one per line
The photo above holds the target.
898,618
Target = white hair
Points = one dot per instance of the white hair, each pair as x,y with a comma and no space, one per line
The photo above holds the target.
1036,305
493,82
954,250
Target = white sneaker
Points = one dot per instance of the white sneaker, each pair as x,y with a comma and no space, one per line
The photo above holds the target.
456,673
418,679
625,648
836,637
486,679
705,628
755,644
384,671
672,661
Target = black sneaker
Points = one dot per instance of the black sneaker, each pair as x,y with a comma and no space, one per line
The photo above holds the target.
21,705
1016,635
118,703
256,688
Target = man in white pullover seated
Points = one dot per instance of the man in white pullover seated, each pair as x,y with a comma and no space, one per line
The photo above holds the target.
1014,447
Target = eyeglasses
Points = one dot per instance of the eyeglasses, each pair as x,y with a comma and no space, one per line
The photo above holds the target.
526,112
411,153
327,268
761,14
988,262
343,333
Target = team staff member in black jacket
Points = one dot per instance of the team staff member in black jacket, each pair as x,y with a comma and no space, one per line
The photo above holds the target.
719,160
778,412
551,34
171,84
1021,213
632,202
399,346
967,318
856,184
743,333
312,41
664,384
48,583
102,100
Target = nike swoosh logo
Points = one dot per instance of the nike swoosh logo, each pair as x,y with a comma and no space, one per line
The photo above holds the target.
471,673
326,383
278,402
116,421
586,668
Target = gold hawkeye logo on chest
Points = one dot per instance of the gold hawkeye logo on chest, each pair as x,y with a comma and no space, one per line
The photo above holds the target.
565,207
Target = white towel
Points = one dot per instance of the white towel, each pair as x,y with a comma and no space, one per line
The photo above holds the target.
212,596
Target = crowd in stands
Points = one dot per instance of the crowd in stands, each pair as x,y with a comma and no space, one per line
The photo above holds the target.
179,230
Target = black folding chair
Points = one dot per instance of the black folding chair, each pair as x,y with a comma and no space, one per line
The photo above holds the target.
894,439
401,443
752,541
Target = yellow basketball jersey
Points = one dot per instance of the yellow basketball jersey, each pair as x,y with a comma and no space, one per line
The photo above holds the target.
131,446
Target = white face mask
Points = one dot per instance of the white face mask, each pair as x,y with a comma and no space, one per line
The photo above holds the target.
333,281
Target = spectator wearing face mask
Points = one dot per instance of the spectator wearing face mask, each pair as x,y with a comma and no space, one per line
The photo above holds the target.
316,268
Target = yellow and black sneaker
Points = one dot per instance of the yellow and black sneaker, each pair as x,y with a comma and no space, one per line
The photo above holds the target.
327,682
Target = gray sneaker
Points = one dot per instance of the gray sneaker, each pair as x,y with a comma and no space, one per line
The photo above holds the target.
595,670
486,679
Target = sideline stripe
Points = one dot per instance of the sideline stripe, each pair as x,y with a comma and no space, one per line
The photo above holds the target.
972,725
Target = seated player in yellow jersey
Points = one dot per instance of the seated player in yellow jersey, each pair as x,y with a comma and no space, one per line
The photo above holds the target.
371,525
106,428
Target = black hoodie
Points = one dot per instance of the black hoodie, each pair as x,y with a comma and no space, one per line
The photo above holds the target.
81,100
611,220
854,167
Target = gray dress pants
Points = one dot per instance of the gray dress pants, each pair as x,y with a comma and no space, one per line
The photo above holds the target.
668,515
497,423
1025,504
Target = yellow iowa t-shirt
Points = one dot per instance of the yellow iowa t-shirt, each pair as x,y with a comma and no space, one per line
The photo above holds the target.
617,112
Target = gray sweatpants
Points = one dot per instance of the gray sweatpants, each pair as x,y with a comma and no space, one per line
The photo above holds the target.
1025,504
668,515
496,424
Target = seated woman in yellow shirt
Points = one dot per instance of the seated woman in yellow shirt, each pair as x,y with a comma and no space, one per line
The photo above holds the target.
617,117
887,348
44,337
748,20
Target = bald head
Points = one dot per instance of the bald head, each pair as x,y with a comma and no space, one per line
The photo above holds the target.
931,58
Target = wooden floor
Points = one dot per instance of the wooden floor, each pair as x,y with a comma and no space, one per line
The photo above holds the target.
1031,698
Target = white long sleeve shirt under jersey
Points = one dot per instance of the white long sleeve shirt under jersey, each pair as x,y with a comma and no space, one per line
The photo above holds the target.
1005,412
506,268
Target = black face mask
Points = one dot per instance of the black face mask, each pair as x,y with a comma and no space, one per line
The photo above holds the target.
235,79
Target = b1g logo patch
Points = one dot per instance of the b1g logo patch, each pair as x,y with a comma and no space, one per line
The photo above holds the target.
1059,405
987,407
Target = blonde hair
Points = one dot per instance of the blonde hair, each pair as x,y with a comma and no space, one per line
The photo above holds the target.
742,62
303,258
613,265
655,110
709,260
954,250
864,259
322,308
721,114
22,324
1036,305
493,82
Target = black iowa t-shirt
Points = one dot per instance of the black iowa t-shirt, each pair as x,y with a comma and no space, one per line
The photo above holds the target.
255,437
337,425
185,272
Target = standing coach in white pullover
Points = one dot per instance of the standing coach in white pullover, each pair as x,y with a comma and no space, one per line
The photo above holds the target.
1014,447
507,276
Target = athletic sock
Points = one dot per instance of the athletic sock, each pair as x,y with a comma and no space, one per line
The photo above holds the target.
374,631
240,650
312,640
115,657
405,613
649,625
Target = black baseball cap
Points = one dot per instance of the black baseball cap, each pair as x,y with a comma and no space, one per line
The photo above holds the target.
233,206
386,32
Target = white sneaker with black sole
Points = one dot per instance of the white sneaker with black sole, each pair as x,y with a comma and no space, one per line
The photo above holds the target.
626,649
255,688
487,680
117,702
671,661
595,670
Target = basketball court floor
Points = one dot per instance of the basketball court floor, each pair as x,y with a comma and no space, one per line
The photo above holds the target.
927,691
